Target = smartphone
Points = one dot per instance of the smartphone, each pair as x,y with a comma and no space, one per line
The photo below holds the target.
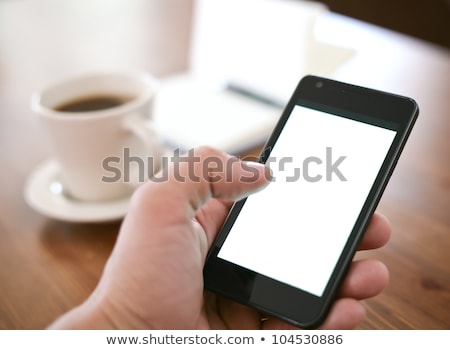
286,249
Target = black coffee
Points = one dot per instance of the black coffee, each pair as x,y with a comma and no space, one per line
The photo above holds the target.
92,103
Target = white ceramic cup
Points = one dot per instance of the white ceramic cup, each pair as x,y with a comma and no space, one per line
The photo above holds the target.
90,145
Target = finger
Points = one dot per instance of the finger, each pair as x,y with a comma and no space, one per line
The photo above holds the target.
345,313
377,234
205,172
211,217
211,311
365,279
277,324
210,173
238,316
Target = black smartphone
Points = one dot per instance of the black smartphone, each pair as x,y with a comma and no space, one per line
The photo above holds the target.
286,249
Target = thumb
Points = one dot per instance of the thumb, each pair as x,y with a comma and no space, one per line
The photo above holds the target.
205,173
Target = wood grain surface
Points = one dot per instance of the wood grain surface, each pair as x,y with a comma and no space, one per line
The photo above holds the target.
49,266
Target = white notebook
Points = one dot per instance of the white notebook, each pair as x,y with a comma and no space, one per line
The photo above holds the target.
189,113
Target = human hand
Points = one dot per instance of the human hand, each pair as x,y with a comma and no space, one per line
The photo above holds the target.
154,276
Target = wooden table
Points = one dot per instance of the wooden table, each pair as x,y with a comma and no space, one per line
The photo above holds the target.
49,266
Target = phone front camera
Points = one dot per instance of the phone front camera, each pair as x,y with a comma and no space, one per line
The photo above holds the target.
319,84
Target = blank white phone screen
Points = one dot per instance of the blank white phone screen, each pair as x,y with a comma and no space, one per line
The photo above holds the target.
295,229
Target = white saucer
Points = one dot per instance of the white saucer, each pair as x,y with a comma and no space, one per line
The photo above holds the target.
43,192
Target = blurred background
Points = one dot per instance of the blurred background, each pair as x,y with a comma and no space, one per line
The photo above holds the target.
48,266
425,19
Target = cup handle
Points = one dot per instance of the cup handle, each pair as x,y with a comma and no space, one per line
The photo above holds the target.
146,132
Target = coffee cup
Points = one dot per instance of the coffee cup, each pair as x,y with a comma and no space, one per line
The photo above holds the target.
93,121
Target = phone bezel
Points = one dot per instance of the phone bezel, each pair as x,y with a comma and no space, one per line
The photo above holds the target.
276,298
